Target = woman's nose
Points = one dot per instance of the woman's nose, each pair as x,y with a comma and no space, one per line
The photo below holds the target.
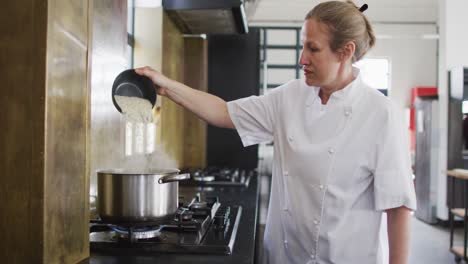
302,59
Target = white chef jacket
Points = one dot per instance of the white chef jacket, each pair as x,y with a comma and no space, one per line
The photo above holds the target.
336,167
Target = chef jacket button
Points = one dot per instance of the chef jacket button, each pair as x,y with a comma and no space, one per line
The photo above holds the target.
286,173
347,111
285,243
331,150
316,222
321,186
312,256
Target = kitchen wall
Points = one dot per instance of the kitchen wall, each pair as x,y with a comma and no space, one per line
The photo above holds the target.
44,187
196,75
148,49
172,115
159,44
234,66
179,133
275,13
108,57
413,58
452,53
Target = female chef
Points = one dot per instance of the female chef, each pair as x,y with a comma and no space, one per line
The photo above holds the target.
341,157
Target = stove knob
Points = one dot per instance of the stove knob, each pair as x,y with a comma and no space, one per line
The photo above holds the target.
187,216
221,218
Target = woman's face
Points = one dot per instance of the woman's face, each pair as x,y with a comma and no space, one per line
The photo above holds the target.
320,64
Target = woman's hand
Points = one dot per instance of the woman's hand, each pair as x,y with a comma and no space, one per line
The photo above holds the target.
206,106
162,82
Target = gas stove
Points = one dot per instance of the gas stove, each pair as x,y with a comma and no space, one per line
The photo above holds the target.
215,176
200,226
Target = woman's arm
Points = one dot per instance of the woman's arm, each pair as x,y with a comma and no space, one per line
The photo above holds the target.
208,107
398,228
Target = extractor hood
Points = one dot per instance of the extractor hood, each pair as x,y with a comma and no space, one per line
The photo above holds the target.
208,16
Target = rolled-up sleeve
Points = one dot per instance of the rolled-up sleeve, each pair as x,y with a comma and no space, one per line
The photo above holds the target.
253,118
393,181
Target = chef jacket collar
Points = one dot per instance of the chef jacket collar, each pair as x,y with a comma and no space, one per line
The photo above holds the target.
344,93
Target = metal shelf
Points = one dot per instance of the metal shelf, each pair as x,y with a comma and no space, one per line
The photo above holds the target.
293,47
459,251
282,66
460,212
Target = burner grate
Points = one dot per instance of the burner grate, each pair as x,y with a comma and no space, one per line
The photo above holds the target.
201,225
211,237
214,176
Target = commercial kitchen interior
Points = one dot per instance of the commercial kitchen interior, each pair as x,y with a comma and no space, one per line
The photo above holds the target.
59,59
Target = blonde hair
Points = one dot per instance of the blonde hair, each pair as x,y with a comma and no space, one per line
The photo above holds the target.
345,23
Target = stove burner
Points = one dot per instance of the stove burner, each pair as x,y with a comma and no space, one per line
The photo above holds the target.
183,215
187,216
137,232
201,177
199,205
215,176
200,225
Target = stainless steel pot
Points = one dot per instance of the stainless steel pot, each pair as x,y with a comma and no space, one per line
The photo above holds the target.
125,196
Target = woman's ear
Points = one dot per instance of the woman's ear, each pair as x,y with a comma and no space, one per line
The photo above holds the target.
347,51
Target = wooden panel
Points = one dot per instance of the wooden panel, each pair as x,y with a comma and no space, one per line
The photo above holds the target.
44,208
65,190
23,25
44,186
172,115
196,76
183,135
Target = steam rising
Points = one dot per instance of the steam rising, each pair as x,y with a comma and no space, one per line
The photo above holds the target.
149,162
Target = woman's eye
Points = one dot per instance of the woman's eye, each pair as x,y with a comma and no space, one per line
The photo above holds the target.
311,49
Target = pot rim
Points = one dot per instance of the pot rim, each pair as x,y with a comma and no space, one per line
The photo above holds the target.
120,171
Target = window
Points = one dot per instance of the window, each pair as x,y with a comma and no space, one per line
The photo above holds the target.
376,73
280,49
130,31
465,107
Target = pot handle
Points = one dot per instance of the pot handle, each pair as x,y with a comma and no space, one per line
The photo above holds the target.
174,178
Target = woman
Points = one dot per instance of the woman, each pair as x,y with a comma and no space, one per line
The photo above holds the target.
340,158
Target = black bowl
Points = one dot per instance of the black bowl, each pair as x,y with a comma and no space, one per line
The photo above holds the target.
129,83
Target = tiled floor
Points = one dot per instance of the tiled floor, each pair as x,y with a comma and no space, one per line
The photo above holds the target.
430,243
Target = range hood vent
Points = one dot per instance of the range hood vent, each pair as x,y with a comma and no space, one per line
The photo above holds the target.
208,16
